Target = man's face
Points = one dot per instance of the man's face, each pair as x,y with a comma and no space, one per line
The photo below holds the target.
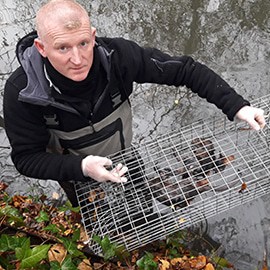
69,51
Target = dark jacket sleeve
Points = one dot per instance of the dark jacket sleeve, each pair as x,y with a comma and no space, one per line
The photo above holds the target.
150,65
26,130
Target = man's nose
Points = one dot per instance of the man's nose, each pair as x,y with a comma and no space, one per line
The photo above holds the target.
76,56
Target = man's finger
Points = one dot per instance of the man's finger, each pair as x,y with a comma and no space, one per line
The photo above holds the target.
120,169
117,179
261,121
123,170
254,125
107,162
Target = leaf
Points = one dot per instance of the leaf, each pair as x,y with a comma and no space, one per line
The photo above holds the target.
52,228
105,243
8,242
3,186
43,216
85,265
68,206
18,200
121,253
68,264
147,262
92,196
72,248
97,239
209,266
108,248
109,253
76,235
13,214
173,252
54,265
198,262
222,262
57,253
176,261
37,254
5,263
24,250
164,265
55,196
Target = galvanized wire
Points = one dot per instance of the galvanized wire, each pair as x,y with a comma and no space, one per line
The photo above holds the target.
178,180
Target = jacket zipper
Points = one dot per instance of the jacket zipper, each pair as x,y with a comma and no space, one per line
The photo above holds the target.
91,123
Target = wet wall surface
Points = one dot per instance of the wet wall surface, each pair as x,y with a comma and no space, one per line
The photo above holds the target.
232,37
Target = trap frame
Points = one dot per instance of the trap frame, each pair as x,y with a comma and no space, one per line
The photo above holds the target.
178,180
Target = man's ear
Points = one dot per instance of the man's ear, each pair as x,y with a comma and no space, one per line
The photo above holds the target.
93,29
40,46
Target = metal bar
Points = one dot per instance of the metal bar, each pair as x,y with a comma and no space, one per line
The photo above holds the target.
177,180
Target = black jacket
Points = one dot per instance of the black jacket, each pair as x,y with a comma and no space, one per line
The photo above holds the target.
28,97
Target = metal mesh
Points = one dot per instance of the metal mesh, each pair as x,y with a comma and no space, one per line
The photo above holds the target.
178,180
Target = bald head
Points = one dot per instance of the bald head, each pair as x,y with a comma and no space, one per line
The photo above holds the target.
67,14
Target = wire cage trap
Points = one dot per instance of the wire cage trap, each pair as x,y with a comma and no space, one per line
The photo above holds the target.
178,180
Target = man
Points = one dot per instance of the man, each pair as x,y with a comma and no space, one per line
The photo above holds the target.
67,106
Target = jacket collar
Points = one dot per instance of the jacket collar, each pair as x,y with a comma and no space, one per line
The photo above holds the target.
38,89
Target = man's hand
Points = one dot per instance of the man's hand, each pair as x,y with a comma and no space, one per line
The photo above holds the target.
95,167
253,116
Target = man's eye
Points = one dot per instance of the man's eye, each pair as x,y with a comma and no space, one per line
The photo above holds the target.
63,49
84,43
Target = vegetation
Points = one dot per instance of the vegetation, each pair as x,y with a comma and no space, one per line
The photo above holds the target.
37,235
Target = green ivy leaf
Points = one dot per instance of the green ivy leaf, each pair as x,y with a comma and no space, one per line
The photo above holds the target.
5,263
10,243
147,262
107,247
24,250
68,207
13,215
71,247
173,252
121,253
109,253
105,243
97,239
32,257
7,243
43,216
54,265
68,264
52,228
110,249
76,235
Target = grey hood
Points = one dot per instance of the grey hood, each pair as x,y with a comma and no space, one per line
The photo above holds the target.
38,89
